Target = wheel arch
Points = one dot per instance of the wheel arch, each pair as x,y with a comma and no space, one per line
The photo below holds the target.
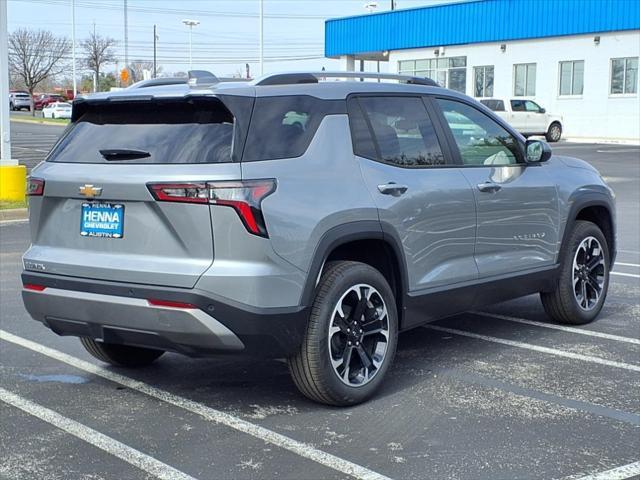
369,242
598,209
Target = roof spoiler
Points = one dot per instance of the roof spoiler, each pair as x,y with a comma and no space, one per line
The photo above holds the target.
314,77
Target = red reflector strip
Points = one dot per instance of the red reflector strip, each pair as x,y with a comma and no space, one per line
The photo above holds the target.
34,287
169,303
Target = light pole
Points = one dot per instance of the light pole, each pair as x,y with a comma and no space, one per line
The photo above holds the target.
73,47
191,24
261,37
12,176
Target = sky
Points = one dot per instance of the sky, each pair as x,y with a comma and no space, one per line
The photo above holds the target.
226,38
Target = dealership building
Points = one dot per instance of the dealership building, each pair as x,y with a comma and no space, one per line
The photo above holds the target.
575,58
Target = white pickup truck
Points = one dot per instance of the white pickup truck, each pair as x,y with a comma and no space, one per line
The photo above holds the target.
527,117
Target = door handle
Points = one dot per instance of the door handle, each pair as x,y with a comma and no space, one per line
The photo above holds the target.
392,188
489,187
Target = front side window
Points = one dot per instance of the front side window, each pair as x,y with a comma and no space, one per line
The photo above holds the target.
447,72
483,81
480,140
530,106
571,77
524,80
624,75
402,131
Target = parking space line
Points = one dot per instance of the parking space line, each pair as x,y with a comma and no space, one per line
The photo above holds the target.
590,408
625,472
110,445
538,348
217,416
633,275
590,333
628,264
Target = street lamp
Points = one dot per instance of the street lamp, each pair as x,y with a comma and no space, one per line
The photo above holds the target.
191,24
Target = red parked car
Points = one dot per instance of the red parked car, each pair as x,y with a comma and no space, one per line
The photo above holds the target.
45,99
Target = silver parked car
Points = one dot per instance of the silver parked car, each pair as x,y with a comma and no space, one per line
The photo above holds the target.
19,101
291,217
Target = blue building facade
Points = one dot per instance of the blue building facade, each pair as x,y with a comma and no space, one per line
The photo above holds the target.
477,22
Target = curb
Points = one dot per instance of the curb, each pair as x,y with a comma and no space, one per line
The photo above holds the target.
39,122
14,214
603,141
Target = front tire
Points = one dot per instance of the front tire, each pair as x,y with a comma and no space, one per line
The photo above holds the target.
351,337
554,134
583,282
121,355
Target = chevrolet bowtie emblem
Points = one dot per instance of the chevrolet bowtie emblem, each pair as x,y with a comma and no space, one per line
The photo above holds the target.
90,191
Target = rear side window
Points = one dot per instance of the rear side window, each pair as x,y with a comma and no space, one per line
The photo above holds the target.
403,133
495,105
283,127
361,137
174,131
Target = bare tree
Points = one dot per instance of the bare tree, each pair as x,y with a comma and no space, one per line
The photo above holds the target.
137,68
35,56
98,52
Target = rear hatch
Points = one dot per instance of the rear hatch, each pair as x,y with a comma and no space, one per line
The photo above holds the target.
96,217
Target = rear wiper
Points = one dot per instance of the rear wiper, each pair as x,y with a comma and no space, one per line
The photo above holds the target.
123,154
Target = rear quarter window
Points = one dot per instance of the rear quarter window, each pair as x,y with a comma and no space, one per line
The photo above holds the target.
283,127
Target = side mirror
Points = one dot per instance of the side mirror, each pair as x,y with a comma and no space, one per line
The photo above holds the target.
537,151
542,110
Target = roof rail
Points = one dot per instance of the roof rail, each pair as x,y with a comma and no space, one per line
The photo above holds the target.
313,77
201,77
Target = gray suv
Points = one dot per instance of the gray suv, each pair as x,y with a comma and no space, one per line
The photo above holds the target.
306,219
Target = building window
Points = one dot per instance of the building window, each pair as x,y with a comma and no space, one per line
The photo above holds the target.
524,80
447,72
571,77
483,81
624,75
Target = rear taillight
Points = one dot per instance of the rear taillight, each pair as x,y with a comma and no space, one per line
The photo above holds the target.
34,287
35,187
245,197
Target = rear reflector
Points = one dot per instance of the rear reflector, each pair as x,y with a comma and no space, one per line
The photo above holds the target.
35,187
244,196
169,303
34,287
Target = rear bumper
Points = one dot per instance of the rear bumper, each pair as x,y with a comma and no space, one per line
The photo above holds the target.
120,313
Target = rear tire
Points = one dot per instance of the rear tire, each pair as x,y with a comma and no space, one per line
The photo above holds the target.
121,355
583,281
351,336
554,134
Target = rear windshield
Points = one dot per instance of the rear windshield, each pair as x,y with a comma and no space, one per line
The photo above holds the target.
175,131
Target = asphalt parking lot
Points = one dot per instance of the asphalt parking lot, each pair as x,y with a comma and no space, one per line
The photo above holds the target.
498,394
